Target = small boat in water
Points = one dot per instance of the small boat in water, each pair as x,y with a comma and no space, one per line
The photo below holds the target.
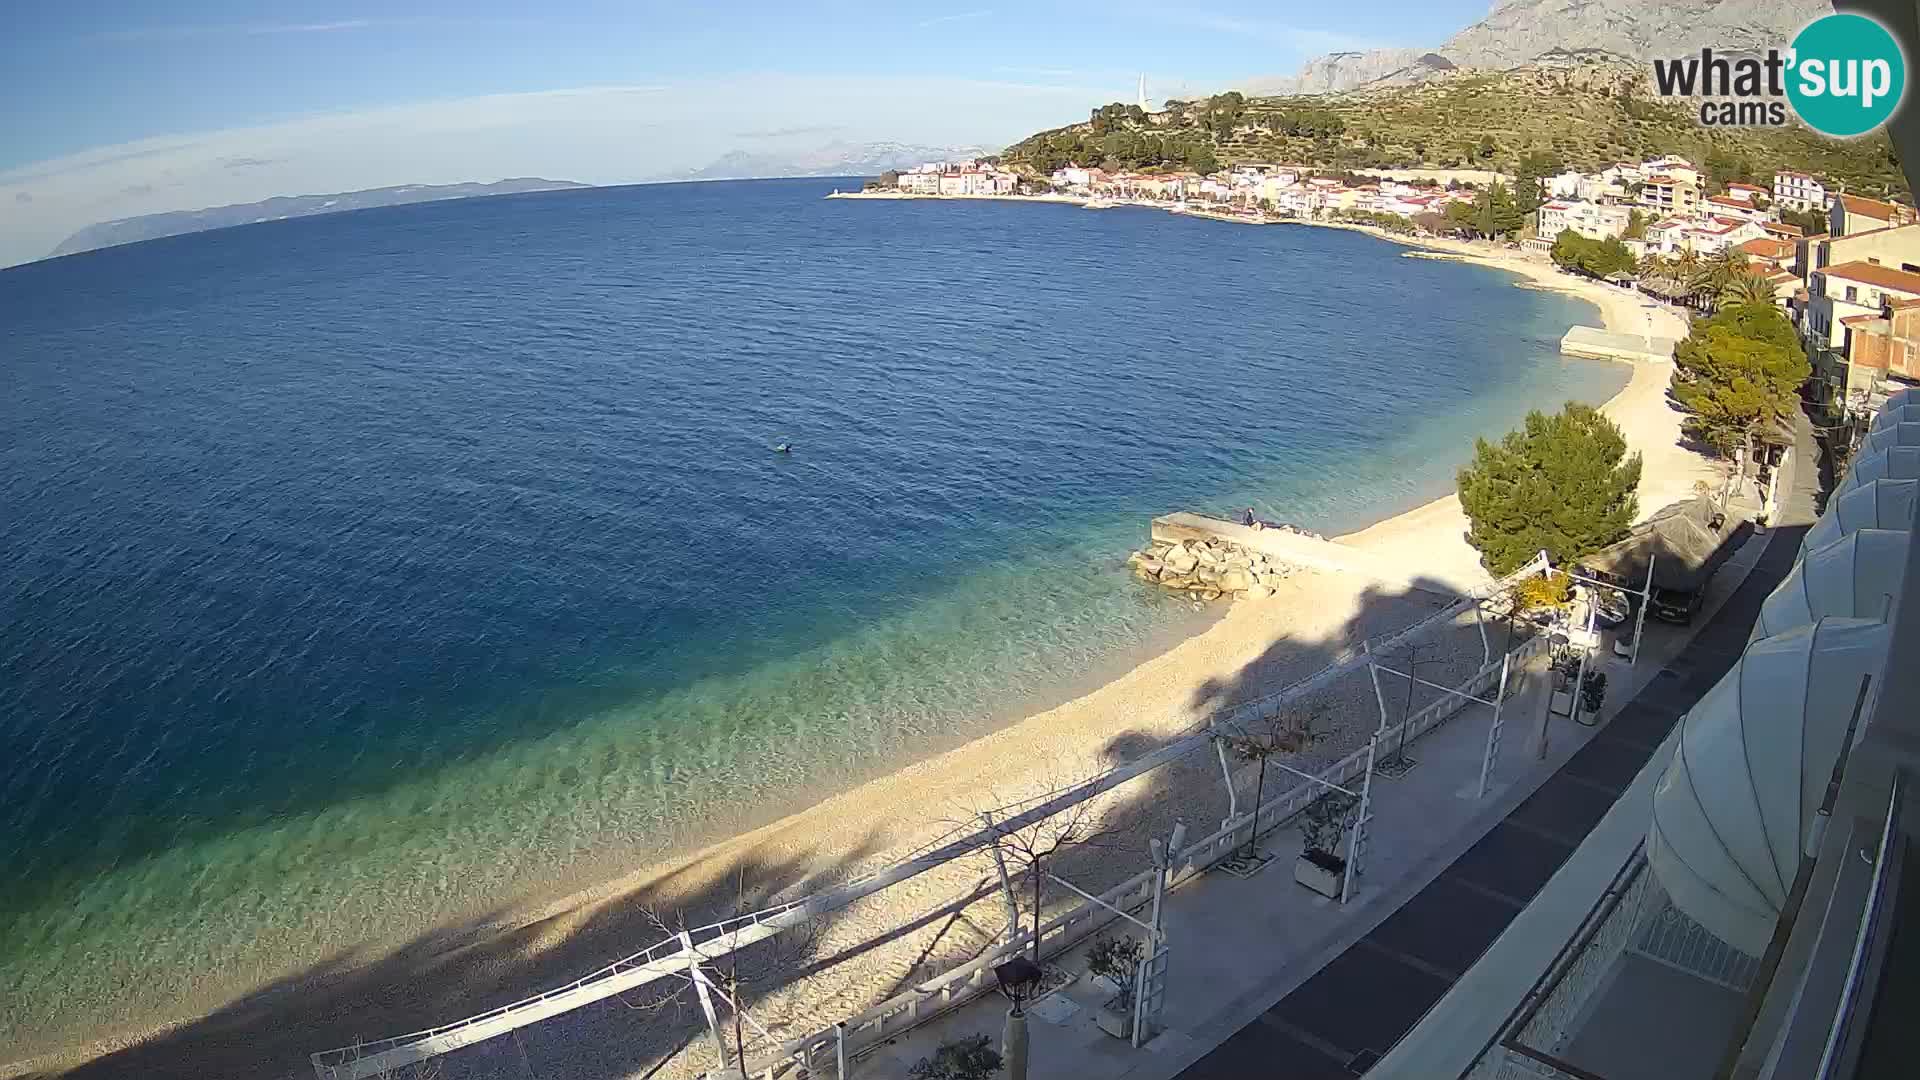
1098,204
783,448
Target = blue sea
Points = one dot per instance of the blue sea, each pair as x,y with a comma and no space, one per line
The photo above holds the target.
362,572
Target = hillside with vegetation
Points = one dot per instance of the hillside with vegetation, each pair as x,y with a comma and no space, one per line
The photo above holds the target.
1580,117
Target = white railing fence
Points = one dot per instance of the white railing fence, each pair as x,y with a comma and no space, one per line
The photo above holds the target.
816,1054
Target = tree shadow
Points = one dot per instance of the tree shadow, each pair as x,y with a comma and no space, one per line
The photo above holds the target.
863,954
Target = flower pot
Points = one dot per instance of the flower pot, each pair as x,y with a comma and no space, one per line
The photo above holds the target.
1321,872
1115,1018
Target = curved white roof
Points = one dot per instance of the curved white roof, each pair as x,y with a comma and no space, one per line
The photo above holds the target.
1736,806
1856,576
1892,463
1906,396
1901,408
1882,504
1901,434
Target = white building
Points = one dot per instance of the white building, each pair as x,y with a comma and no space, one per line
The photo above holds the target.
1677,167
1730,206
1798,191
1591,220
1849,289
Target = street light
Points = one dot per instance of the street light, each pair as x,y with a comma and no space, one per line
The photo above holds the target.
1019,980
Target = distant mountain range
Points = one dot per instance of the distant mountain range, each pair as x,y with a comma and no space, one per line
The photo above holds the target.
175,223
1520,32
833,159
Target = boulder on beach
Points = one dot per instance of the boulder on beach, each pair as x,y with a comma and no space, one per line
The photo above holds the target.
1181,560
1233,579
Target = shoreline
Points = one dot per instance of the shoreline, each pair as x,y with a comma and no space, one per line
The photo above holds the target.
877,820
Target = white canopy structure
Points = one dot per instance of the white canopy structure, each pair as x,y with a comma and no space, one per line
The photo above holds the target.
1882,504
1854,577
1901,408
1892,463
1903,434
1737,805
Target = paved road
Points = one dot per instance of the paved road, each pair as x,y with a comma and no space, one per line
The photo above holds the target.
1341,1021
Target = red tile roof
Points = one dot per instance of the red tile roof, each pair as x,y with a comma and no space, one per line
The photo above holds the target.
1766,248
1884,277
1873,208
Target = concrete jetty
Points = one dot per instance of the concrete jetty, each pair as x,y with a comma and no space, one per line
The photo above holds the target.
1593,343
1295,549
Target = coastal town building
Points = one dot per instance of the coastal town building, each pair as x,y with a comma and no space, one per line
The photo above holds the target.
1591,220
1678,168
1751,194
1882,354
1798,191
1702,236
1729,206
1850,214
1665,193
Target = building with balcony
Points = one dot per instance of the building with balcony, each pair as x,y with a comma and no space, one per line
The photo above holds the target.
1591,220
1798,191
1666,194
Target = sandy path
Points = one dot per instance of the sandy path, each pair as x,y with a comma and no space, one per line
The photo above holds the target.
1259,646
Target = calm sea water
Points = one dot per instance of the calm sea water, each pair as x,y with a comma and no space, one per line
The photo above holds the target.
361,572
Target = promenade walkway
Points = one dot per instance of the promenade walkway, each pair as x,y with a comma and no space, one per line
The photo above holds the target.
1267,979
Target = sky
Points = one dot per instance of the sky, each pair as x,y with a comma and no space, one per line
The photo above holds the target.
115,109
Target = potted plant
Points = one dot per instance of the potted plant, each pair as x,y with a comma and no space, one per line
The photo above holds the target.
1323,824
1593,691
1566,668
1116,962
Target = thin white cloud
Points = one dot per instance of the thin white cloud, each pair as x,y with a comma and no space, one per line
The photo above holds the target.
956,17
572,133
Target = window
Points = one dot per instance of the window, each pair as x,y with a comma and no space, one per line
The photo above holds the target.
1853,295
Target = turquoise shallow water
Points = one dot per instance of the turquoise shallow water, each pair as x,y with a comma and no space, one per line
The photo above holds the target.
367,571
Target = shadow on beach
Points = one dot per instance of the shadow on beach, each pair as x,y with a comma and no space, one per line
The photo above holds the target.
855,957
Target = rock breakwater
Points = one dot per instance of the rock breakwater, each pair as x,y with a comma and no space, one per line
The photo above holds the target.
1208,569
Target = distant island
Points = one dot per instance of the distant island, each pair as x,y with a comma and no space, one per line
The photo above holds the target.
177,222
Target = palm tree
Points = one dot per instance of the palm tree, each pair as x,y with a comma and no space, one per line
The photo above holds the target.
1747,287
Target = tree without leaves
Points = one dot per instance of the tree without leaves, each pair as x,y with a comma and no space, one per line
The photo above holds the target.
1033,847
1562,484
1289,730
732,975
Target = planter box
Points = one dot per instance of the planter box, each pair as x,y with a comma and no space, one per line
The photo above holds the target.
1115,1019
1321,872
1562,703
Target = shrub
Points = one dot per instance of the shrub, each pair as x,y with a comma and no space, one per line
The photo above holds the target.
968,1058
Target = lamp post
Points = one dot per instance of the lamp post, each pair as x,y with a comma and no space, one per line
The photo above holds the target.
1019,980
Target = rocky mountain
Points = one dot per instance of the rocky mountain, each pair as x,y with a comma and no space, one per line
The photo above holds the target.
832,159
1517,32
175,223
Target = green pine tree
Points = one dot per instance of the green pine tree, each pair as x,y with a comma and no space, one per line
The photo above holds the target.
1563,484
1738,375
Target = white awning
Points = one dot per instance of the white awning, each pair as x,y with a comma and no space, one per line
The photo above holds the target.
1882,504
1736,807
1902,434
1892,463
1856,576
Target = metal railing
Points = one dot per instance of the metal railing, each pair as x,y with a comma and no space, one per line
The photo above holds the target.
813,1054
671,957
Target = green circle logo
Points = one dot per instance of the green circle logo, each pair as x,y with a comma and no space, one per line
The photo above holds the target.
1847,75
